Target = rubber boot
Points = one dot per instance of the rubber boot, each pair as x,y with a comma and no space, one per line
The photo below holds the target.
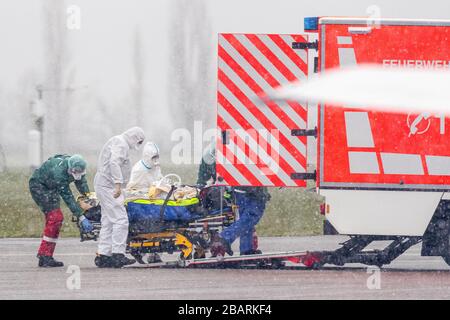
247,253
219,247
49,262
103,261
119,260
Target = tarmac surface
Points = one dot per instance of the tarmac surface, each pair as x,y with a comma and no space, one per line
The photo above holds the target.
409,277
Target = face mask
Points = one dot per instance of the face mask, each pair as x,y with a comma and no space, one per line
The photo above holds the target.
76,175
155,162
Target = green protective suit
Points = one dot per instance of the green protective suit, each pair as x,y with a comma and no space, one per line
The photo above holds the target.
206,172
51,181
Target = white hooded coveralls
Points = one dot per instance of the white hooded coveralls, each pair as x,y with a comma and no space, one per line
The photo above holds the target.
114,167
145,172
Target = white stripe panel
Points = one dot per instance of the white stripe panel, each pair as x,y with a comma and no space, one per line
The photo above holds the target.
255,123
438,165
278,123
363,162
344,40
398,163
346,57
357,127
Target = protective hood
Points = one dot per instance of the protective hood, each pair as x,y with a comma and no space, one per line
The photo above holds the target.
150,151
76,163
133,136
209,156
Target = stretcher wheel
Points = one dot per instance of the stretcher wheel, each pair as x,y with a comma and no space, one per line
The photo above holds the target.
199,253
139,257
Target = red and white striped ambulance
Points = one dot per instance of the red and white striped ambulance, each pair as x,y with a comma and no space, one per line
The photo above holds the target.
384,176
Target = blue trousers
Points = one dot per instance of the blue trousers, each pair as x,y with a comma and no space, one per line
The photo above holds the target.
251,211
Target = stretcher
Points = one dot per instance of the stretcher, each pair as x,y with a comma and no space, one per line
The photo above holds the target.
185,227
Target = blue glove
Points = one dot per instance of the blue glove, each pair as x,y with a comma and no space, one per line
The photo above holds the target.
85,224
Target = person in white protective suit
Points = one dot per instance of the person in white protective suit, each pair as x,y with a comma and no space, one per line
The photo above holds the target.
147,170
144,173
113,172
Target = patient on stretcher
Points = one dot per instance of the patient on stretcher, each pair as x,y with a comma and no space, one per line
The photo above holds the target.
145,173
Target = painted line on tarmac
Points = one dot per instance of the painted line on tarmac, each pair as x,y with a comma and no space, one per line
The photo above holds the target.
34,254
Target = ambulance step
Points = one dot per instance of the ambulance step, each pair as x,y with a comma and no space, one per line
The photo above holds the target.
276,260
304,175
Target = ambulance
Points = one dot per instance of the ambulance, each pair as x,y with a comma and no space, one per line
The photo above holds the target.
384,176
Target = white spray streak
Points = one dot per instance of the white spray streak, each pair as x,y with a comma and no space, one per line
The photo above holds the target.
375,88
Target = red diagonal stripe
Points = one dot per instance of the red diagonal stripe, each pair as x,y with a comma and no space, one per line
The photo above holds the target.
233,112
227,177
259,68
288,51
277,110
271,57
242,168
261,117
249,153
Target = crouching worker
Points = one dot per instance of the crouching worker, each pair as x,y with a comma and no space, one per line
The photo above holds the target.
113,172
47,184
251,203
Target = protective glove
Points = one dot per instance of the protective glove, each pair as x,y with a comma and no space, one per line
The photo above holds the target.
117,190
85,206
85,224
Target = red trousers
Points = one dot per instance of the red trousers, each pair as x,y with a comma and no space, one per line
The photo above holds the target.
53,223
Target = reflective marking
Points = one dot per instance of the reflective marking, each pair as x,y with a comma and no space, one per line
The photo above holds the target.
260,81
269,114
236,174
256,124
363,162
301,53
248,162
344,40
271,160
346,57
359,132
48,239
398,163
438,165
266,63
282,56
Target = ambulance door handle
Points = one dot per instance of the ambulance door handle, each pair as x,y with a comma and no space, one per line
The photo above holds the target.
225,137
359,30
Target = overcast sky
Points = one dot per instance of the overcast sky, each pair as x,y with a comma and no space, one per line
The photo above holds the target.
101,50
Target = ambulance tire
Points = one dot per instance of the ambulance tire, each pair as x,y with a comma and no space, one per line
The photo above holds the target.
447,259
328,228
